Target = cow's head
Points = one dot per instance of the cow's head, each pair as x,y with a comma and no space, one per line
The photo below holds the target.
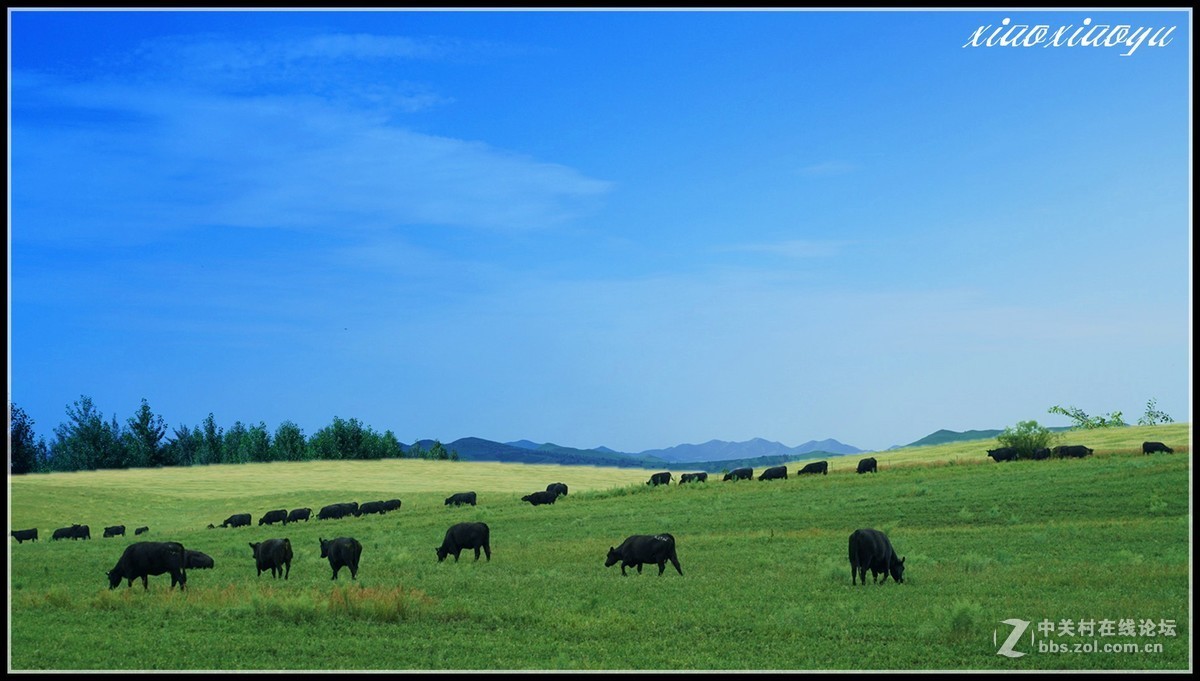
441,553
324,547
613,557
898,571
254,548
114,579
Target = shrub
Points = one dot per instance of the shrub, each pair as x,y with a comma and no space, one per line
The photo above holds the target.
1026,437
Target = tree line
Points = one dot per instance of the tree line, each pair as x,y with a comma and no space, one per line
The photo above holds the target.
89,441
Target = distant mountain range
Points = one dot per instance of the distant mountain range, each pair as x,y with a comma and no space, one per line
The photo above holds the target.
941,437
712,456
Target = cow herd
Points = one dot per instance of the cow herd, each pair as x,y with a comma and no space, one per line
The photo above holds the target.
1063,452
869,549
771,473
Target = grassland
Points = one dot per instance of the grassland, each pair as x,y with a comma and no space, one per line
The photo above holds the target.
766,582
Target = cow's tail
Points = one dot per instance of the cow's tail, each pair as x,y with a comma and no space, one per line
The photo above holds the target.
675,560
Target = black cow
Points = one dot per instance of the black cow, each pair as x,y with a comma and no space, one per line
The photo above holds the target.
297,515
272,517
114,531
1003,454
460,499
141,530
693,477
868,465
1075,451
72,532
342,552
657,479
814,468
197,560
740,474
1151,447
539,498
342,510
775,473
22,535
1040,454
871,550
644,548
274,555
146,558
391,505
372,507
465,536
237,520
558,488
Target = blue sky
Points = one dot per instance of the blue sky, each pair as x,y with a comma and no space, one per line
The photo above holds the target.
625,228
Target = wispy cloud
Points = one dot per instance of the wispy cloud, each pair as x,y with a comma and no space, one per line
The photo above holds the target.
165,157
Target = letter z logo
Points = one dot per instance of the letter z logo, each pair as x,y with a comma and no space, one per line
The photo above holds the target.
1019,627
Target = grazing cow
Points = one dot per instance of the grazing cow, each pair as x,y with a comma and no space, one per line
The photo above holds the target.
461,498
868,465
1003,454
740,474
342,552
114,531
539,498
644,548
814,468
237,520
342,510
297,515
197,560
72,532
391,505
1040,454
146,558
274,555
774,473
143,529
871,550
558,488
465,536
1151,447
693,477
272,517
657,479
372,507
1075,451
22,535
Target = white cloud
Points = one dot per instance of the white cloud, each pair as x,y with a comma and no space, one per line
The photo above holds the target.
795,248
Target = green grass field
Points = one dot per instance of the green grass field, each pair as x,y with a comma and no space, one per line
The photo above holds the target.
766,582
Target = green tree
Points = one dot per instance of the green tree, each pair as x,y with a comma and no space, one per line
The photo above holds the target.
144,438
86,441
235,448
289,444
185,445
212,449
258,443
25,454
390,446
1082,420
1153,416
1026,437
342,439
438,451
